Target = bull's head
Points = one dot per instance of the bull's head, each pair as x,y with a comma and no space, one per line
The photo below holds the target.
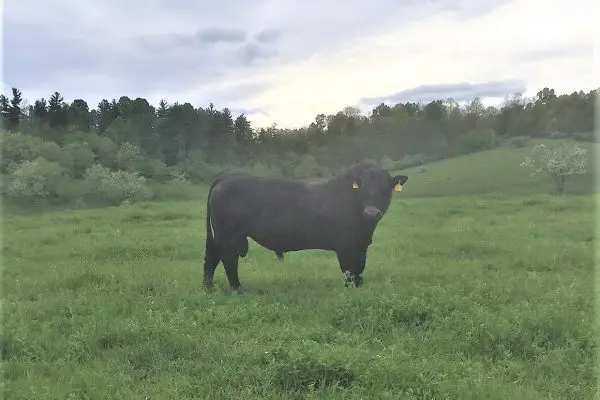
374,188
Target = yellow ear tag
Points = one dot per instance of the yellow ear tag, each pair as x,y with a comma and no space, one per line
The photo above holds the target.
355,185
398,187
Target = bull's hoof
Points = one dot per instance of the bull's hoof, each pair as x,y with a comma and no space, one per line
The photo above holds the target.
353,281
238,290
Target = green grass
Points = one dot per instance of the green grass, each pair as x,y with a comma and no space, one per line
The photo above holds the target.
465,297
495,171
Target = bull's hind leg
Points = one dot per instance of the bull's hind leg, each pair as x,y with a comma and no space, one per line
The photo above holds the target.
211,260
210,265
231,269
235,250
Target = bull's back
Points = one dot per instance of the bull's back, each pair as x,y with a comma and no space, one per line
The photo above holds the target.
245,199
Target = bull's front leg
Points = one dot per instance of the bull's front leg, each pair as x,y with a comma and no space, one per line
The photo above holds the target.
352,264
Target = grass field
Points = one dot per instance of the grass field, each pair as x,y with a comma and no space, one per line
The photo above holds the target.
465,297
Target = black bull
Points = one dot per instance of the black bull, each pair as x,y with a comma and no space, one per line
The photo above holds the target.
339,214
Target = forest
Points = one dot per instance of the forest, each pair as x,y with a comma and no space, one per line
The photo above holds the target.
127,149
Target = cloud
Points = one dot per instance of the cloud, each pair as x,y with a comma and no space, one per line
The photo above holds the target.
250,111
267,35
294,59
559,51
167,47
237,91
138,64
163,43
252,52
462,91
215,35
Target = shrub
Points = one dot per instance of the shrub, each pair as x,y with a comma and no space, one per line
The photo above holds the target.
175,188
287,163
115,187
104,149
408,161
558,162
129,157
308,168
155,169
78,157
261,169
17,147
388,163
479,140
34,180
196,169
585,136
51,152
519,141
558,135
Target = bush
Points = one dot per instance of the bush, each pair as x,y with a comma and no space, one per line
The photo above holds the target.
479,140
176,188
116,187
519,141
558,135
308,168
78,157
51,152
155,169
387,163
558,162
585,136
104,149
196,169
17,147
261,169
408,161
35,180
287,163
129,158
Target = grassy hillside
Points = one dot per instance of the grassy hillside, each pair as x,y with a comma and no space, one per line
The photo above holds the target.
494,171
465,297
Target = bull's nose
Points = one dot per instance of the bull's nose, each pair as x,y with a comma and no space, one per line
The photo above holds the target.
372,213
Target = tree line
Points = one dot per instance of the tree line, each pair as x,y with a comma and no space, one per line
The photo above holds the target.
194,142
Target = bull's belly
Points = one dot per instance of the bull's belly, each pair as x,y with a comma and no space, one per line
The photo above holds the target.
285,240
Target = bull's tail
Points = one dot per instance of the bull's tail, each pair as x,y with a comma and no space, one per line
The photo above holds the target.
211,253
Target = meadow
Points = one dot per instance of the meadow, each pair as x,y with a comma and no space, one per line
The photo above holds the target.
479,285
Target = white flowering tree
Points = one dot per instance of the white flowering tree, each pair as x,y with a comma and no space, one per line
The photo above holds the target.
559,163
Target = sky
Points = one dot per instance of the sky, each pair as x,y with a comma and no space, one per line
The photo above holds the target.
285,61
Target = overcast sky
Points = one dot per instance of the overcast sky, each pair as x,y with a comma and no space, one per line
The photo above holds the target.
285,61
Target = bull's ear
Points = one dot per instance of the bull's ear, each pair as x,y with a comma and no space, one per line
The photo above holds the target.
397,182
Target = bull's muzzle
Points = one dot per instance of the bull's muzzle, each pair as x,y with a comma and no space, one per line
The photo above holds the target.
372,213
